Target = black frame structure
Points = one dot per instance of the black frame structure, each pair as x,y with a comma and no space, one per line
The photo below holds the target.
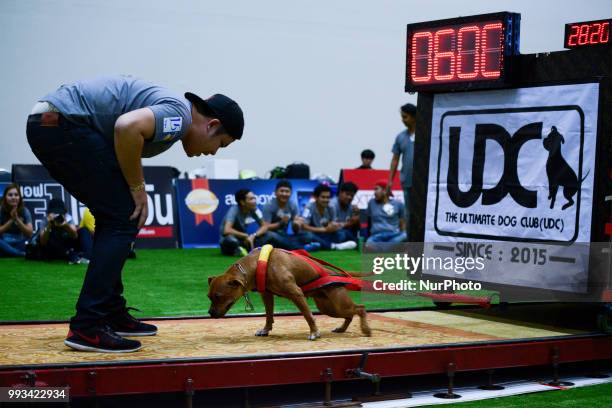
511,22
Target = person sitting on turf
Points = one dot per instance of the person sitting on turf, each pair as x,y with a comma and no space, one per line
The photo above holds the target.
15,223
385,217
346,213
278,215
87,228
59,238
367,157
243,228
317,221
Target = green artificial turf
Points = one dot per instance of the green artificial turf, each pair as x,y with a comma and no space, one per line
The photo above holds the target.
163,282
594,396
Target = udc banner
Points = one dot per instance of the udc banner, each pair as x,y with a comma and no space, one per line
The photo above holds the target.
516,166
202,204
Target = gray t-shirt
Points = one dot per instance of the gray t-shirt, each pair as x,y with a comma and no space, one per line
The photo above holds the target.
404,146
272,212
342,214
247,223
313,217
98,103
385,217
14,230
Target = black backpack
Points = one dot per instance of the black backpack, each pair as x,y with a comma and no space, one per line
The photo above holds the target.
297,171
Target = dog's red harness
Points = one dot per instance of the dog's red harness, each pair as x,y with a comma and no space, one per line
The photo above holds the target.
325,278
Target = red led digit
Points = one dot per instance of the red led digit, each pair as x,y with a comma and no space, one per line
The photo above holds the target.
421,56
605,33
444,55
492,50
468,45
573,38
595,33
583,37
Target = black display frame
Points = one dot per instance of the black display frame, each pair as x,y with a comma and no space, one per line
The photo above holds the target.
511,23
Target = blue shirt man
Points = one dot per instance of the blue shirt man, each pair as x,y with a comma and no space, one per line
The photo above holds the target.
403,148
103,127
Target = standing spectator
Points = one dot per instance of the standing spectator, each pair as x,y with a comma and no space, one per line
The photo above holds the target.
385,217
15,223
317,221
58,237
346,213
243,228
367,157
403,148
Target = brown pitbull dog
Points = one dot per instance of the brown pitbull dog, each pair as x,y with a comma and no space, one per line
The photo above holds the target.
285,274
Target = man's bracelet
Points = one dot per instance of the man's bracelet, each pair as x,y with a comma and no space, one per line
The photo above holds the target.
137,188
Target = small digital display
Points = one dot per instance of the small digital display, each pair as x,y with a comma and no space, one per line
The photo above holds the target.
465,50
587,34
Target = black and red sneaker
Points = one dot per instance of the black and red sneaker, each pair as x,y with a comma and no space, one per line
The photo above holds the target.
101,339
124,324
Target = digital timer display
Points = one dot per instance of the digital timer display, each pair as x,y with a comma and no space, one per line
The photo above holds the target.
457,53
587,33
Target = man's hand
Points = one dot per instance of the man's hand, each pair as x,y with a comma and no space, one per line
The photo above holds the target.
141,210
333,227
250,240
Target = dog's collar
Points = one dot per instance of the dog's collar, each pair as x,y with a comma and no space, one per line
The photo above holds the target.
249,305
242,271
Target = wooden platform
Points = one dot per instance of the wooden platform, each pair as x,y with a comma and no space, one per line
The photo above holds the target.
42,344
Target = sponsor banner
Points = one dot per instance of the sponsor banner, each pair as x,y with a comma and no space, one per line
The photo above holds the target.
516,166
160,226
202,204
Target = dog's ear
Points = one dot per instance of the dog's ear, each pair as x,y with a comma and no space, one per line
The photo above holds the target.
236,283
562,138
210,278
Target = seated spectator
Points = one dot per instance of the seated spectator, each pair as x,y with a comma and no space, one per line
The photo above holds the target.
279,213
15,223
346,213
385,217
318,223
86,231
87,228
58,237
243,228
367,157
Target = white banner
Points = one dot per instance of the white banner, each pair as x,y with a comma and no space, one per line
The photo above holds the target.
516,166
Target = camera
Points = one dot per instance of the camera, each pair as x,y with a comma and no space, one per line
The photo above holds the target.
59,219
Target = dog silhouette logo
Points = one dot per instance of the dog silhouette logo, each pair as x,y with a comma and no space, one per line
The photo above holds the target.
558,171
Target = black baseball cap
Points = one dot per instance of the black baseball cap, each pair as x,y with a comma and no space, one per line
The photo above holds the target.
223,108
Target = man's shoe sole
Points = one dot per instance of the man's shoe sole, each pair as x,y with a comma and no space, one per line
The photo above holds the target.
135,334
82,347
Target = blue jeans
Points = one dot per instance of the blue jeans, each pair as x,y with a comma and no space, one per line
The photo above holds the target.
11,246
84,162
326,239
390,237
229,243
